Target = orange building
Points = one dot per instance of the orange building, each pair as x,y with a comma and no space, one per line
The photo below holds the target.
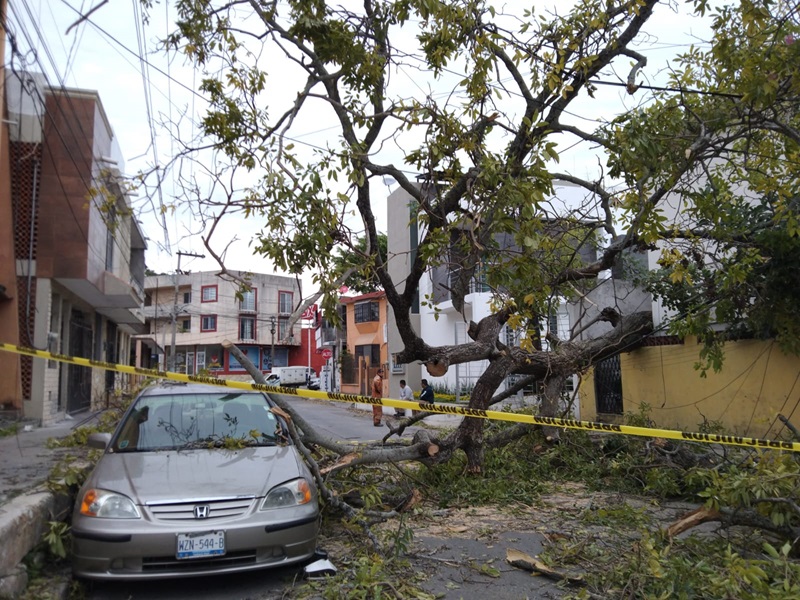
366,342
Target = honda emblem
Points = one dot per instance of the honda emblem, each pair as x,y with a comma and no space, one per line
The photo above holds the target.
201,512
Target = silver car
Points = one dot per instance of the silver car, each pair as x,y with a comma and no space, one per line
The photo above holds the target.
195,480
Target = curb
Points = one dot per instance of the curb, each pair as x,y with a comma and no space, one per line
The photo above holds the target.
23,520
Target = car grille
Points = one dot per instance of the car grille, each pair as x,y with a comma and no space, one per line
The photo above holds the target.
155,564
218,508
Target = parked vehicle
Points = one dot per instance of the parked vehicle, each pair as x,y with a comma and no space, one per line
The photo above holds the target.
288,376
195,480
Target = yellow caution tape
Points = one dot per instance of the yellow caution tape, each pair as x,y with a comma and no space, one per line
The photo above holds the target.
447,409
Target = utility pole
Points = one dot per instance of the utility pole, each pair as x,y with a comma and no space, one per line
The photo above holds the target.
272,351
172,357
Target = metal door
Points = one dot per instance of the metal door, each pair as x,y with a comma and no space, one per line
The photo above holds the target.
79,378
608,386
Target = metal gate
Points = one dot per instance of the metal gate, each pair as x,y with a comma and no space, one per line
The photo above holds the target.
608,386
79,378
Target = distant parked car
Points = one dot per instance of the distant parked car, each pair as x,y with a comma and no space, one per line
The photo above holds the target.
195,480
313,383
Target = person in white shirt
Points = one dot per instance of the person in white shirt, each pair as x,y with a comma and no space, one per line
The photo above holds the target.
406,393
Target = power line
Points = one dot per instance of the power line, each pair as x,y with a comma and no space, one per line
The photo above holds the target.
149,106
658,88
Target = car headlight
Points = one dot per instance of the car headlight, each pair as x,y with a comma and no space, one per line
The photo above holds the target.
291,493
108,505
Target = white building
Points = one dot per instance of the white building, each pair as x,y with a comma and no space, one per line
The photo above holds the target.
438,322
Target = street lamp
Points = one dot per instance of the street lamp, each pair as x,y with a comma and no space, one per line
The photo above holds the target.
272,352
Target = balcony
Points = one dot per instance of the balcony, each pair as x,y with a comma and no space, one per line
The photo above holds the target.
118,300
158,311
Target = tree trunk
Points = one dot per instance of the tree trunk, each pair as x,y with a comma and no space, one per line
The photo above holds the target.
551,402
469,434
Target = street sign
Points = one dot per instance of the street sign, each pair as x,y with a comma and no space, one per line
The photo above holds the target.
327,353
309,313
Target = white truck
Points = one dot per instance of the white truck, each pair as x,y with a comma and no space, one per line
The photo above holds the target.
288,376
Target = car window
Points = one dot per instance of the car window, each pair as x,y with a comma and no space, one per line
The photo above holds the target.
198,420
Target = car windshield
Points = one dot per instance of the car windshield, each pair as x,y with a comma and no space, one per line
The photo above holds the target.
184,421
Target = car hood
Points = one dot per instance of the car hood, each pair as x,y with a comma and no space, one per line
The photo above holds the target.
199,473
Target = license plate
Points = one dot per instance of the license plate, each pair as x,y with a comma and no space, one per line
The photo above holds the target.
199,545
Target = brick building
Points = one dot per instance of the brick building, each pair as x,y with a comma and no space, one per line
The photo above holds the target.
72,254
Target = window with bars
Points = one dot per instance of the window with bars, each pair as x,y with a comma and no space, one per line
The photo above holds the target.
366,312
608,386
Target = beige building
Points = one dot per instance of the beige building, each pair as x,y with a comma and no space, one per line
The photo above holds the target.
209,310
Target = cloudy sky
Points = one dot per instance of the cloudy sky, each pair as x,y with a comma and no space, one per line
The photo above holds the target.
143,89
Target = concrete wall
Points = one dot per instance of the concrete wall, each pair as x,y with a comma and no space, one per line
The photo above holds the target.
613,293
402,237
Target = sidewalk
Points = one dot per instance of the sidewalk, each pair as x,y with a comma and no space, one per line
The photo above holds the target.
26,459
26,505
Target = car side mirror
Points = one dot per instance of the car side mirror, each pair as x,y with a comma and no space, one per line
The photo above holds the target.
99,440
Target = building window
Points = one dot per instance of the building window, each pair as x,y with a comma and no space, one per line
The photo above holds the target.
247,328
111,227
283,329
185,324
477,284
367,312
187,297
208,293
208,323
248,302
215,356
552,323
285,303
371,354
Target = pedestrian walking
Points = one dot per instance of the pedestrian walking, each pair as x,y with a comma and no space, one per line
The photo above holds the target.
406,393
377,392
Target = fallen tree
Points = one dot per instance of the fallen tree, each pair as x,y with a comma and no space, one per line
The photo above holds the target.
479,160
